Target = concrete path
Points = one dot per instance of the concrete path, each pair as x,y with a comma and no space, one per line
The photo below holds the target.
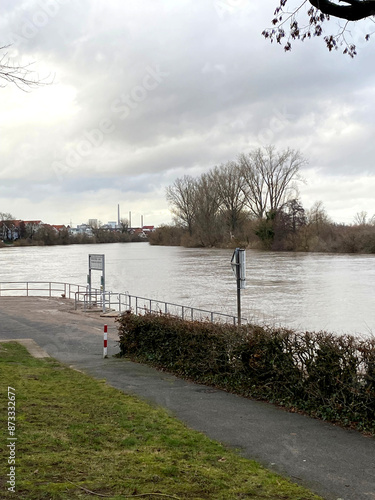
333,462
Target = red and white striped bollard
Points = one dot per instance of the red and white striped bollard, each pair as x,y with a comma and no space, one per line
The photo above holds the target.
105,342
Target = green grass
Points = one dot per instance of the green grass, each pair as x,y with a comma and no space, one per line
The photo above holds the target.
75,433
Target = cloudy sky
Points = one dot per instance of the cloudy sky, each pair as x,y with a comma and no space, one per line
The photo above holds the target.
145,91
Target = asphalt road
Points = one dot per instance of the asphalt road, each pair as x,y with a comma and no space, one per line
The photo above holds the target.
333,462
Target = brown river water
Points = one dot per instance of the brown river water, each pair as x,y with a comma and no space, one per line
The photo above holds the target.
306,291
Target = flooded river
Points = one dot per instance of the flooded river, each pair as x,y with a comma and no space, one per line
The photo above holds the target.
304,291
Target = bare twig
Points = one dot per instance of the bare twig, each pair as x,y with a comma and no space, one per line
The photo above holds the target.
21,75
155,494
88,491
128,496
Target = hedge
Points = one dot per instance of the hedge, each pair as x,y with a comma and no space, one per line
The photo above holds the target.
324,375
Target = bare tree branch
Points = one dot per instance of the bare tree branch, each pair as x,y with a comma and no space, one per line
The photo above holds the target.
21,75
288,27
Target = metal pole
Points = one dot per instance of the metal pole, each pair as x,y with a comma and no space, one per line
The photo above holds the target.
103,284
238,287
90,304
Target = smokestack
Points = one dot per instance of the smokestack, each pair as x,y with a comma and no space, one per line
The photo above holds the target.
118,215
141,220
130,219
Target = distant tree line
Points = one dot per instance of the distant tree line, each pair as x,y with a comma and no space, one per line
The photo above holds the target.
254,202
30,234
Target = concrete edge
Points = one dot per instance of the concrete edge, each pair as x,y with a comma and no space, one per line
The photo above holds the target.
34,349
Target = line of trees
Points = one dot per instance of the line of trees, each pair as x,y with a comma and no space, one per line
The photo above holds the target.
254,202
35,233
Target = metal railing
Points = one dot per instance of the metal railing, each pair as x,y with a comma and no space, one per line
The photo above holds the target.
140,305
118,302
39,289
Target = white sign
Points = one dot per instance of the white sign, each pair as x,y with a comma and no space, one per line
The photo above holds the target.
238,264
96,262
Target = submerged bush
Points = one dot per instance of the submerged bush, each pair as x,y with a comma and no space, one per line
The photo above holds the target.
327,376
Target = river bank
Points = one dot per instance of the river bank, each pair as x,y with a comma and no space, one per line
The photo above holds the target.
279,234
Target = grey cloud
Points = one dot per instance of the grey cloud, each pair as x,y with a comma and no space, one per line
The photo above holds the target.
181,87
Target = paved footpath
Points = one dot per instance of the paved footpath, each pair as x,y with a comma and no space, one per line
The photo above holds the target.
333,462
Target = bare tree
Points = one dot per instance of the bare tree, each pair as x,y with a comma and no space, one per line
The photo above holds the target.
253,186
363,219
208,228
124,225
229,183
181,196
6,221
317,215
360,218
21,75
319,13
318,222
269,178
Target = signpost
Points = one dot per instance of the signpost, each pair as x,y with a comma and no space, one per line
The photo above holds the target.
97,263
238,263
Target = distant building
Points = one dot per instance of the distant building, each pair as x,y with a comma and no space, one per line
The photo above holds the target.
15,229
81,229
58,227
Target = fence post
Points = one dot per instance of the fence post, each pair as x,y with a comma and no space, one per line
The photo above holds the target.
105,342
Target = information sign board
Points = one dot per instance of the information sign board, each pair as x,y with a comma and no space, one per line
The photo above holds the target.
96,262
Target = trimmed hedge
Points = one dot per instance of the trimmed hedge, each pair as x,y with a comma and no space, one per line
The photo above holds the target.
327,376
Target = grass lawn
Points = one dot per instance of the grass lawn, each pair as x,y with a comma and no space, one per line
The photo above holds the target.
78,438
